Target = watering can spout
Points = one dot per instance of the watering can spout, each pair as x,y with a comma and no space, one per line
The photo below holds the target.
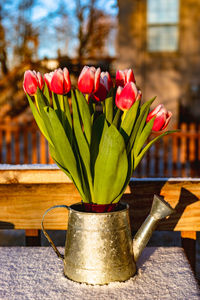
159,210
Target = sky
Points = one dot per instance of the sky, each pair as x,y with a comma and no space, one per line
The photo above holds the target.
46,6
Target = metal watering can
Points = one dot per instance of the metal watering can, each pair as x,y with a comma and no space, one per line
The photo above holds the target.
99,248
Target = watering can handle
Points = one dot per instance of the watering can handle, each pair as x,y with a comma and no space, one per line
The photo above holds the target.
46,234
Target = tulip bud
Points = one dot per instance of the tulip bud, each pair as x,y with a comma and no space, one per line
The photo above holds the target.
124,77
162,117
89,79
32,80
105,85
125,97
60,81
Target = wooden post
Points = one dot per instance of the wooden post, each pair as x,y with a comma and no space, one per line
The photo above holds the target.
198,155
34,146
33,237
183,149
50,158
174,154
166,141
8,145
17,150
148,162
25,136
157,159
192,148
1,144
43,159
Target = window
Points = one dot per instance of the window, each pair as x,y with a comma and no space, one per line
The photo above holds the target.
162,21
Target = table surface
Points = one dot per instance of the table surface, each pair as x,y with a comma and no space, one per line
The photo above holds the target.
36,273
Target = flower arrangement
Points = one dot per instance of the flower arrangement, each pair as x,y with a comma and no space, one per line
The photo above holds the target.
98,140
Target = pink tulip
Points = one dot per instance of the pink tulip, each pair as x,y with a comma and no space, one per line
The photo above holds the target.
123,77
47,79
105,85
162,117
125,97
59,81
32,80
89,79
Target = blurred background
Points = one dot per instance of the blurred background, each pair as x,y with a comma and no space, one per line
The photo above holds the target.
158,39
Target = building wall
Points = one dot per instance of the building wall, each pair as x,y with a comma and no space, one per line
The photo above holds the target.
173,76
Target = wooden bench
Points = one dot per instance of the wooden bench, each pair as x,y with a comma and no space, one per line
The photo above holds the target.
25,194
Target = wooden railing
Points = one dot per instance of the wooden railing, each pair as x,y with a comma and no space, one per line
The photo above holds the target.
177,155
23,145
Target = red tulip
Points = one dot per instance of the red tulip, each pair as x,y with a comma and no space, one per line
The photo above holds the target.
125,97
32,80
89,79
59,81
105,85
162,117
123,77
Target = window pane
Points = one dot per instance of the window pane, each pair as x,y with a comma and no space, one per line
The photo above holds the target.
162,38
162,11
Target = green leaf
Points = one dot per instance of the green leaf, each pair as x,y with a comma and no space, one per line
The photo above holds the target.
38,119
62,146
42,98
97,131
139,124
111,166
65,120
109,109
67,110
46,93
85,115
146,148
129,121
143,137
42,107
82,172
56,105
129,174
81,142
117,118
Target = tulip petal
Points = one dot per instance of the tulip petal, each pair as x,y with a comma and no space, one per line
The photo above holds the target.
57,82
120,78
159,122
127,97
30,82
86,80
168,117
47,79
154,112
67,81
101,93
40,81
130,76
106,80
97,79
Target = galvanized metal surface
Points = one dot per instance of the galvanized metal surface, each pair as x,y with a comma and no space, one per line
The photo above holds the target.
99,247
160,209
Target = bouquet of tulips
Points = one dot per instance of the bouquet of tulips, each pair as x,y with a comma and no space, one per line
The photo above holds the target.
98,133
